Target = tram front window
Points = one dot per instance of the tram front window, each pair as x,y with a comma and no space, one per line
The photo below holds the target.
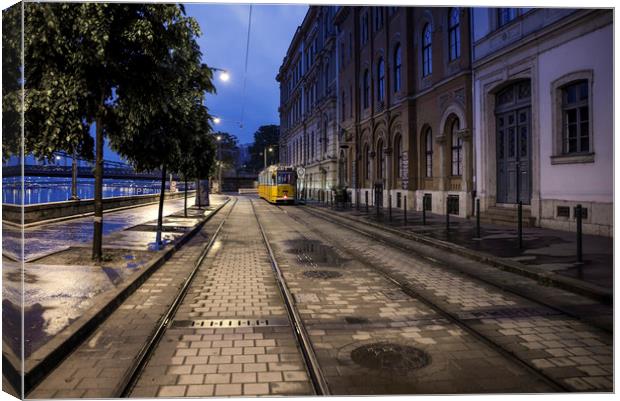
286,178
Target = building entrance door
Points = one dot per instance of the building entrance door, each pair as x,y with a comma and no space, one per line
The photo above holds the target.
513,144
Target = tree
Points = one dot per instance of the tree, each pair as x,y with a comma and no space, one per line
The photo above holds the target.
267,136
11,81
182,80
104,65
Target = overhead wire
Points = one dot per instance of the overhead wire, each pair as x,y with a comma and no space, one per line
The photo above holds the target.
245,73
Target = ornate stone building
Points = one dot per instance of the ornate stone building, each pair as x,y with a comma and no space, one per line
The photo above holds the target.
308,124
543,114
405,105
440,106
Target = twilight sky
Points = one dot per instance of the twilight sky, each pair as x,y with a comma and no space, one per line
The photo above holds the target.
223,43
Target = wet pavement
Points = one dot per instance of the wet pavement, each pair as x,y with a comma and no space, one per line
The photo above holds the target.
380,320
49,238
63,283
545,249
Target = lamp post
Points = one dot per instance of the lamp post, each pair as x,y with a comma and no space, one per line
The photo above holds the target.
219,163
267,148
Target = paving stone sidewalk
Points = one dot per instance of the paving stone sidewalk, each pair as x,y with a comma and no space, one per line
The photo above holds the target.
543,249
96,368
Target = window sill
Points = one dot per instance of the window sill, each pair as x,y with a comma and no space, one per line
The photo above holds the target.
573,159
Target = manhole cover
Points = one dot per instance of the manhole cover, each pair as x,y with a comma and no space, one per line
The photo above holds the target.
312,253
322,274
395,357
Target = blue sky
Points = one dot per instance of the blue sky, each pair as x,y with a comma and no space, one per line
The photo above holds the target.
223,43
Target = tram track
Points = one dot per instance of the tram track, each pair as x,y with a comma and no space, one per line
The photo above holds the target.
125,388
439,264
317,378
410,291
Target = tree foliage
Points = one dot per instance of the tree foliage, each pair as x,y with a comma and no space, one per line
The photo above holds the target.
266,136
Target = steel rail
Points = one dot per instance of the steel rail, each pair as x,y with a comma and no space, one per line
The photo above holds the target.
411,292
437,263
303,339
125,388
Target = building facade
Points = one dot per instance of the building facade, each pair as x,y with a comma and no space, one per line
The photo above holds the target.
309,135
436,107
543,117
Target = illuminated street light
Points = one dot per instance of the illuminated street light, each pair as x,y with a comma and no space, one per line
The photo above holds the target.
217,120
224,74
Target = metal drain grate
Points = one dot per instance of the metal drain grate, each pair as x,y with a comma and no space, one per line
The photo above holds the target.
507,313
390,356
322,274
230,323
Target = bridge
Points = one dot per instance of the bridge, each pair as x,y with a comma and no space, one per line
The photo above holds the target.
111,169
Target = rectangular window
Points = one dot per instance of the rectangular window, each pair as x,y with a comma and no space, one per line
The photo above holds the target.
575,117
505,15
563,211
364,28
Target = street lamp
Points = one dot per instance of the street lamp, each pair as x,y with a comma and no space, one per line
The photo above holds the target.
219,158
224,74
267,148
217,120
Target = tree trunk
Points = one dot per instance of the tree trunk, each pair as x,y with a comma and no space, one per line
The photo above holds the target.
98,218
185,205
198,200
160,212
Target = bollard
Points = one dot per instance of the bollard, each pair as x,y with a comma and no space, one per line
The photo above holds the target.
405,209
390,206
447,215
478,218
520,224
578,216
366,196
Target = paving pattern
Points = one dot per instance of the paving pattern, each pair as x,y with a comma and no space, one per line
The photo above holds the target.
362,310
97,367
236,285
577,356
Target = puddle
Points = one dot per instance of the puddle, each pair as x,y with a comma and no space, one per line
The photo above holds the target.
312,253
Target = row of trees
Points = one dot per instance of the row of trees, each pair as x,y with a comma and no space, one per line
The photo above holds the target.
131,71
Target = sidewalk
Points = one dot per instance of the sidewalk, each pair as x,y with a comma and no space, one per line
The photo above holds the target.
544,251
65,291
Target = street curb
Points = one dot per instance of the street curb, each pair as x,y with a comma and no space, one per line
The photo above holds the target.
579,287
92,319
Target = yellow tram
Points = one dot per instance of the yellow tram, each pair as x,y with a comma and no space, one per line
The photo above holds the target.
276,184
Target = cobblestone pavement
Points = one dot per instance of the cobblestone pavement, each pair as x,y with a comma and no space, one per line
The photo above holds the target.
235,284
97,367
358,308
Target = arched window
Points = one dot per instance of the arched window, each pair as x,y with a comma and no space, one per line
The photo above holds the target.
398,156
325,138
454,33
326,80
397,68
427,50
381,80
342,104
380,160
366,89
428,140
457,149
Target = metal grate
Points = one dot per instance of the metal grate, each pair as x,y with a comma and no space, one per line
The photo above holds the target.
230,323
